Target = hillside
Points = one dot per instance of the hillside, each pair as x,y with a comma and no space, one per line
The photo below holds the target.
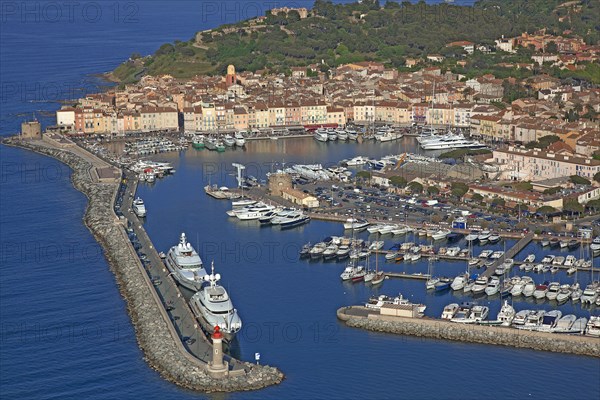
335,34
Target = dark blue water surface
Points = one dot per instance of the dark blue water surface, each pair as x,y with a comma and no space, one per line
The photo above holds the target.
65,329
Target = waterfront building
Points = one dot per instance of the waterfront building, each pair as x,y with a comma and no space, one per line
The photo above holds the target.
519,163
159,118
65,117
335,115
300,198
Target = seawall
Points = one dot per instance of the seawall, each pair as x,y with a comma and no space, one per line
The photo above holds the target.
495,335
155,334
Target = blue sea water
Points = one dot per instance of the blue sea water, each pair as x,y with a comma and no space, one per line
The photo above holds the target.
65,332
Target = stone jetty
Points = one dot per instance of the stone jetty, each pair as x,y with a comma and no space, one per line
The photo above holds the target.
360,317
156,336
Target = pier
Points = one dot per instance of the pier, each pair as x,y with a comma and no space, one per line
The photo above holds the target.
510,253
165,328
364,318
403,275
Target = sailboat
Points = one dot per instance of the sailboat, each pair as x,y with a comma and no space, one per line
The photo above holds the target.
379,275
431,282
576,291
370,274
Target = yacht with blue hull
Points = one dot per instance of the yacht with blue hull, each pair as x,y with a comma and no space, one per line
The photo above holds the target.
185,265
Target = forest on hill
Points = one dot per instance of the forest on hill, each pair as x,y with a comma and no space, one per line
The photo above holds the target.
335,34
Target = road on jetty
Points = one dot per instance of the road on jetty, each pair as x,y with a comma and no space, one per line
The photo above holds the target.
155,332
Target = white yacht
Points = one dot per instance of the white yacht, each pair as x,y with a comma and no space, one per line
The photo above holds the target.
376,302
321,135
493,286
570,260
355,224
483,237
229,141
549,320
480,285
254,212
593,326
376,245
352,134
459,282
449,141
521,317
462,315
341,134
387,229
595,246
564,294
486,254
388,136
185,265
441,234
240,141
478,314
472,237
534,319
241,203
564,324
449,311
139,207
548,259
357,161
589,294
212,307
507,314
529,288
374,228
402,230
553,290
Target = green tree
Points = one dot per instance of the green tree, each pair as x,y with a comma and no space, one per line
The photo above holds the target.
545,210
477,198
523,186
551,48
597,177
432,190
415,187
364,175
593,205
572,206
579,180
398,181
497,202
459,189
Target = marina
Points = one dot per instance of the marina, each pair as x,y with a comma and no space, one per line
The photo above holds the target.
314,231
365,318
171,341
95,312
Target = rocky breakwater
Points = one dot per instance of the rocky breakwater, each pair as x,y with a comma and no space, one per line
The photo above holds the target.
164,352
438,329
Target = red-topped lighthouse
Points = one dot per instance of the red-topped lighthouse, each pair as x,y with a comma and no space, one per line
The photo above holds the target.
217,367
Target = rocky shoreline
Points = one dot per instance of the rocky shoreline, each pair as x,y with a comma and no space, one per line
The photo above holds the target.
154,337
438,329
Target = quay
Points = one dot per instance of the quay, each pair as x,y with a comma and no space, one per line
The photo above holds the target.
364,318
166,330
510,253
403,275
